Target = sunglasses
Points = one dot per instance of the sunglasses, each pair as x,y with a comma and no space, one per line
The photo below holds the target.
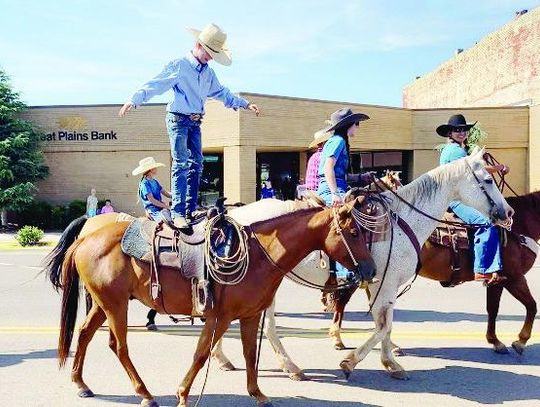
460,130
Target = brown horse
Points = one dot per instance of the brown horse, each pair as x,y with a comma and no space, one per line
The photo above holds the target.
275,247
517,261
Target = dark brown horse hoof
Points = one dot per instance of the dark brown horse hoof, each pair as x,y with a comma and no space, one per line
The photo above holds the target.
85,393
518,347
151,327
298,377
149,403
339,346
501,349
345,369
227,367
399,375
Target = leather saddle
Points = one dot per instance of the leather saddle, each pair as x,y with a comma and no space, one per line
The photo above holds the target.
456,239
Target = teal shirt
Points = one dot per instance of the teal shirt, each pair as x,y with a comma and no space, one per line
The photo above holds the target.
452,152
335,147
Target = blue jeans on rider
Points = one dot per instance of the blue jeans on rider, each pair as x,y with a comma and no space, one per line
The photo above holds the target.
487,250
187,162
324,192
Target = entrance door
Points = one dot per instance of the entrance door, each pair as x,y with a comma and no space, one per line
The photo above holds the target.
280,171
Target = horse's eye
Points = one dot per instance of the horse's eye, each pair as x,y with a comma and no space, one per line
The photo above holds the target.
488,180
354,232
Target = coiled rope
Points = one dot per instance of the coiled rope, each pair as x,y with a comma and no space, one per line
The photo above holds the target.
232,269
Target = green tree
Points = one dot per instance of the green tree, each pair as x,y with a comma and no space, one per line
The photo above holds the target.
21,160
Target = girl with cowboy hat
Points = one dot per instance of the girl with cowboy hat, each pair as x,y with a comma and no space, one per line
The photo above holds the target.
487,254
334,164
192,82
150,190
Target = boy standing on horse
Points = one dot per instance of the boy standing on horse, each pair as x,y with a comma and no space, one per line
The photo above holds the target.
192,82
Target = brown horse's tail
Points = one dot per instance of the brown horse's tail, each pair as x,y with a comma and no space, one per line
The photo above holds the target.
55,259
70,303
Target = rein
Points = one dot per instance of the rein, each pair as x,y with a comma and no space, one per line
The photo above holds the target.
490,160
446,222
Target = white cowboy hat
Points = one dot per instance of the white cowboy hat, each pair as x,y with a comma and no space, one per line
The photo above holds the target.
146,164
212,38
321,136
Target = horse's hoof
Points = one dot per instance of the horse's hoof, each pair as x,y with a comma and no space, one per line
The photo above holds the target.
227,367
518,347
339,346
398,352
501,349
298,377
85,393
346,369
265,404
149,403
400,375
151,327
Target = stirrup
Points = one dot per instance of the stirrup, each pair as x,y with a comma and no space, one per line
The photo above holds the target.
201,296
167,219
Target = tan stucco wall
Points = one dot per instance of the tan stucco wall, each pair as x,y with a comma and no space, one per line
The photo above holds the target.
285,124
508,138
534,148
503,68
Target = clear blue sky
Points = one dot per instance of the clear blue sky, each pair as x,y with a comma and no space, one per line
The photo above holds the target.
84,52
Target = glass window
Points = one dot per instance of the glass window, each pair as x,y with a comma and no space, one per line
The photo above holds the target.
211,187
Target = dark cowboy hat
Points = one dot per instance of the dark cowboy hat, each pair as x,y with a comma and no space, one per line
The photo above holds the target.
457,120
343,117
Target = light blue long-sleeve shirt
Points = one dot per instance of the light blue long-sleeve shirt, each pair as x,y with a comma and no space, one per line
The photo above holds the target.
192,83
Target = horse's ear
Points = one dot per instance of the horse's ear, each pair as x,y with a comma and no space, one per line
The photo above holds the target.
478,152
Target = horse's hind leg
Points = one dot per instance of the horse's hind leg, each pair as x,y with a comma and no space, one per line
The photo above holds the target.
493,300
213,329
118,342
248,331
219,355
94,320
285,362
520,290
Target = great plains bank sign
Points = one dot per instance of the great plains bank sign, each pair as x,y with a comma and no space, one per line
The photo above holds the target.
75,128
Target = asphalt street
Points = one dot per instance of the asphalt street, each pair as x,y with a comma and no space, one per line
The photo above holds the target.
442,331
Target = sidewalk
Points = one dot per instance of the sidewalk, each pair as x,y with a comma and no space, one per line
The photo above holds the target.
48,237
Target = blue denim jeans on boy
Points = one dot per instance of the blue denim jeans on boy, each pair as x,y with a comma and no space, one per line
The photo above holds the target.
487,250
187,162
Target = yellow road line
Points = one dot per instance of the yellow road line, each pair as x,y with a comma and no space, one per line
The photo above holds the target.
285,332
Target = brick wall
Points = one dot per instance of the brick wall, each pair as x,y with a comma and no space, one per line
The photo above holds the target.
503,68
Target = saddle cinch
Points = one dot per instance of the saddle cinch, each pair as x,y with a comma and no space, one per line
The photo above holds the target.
456,238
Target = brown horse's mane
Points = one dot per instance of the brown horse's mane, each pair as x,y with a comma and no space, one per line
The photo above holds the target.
296,212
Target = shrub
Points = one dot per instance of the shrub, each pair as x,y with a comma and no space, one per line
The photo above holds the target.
36,213
29,235
75,209
58,217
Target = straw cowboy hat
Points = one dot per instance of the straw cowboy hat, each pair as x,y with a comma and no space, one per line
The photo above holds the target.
457,120
343,117
212,38
320,136
145,165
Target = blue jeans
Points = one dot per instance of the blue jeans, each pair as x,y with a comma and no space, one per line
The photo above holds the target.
187,163
487,250
324,192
